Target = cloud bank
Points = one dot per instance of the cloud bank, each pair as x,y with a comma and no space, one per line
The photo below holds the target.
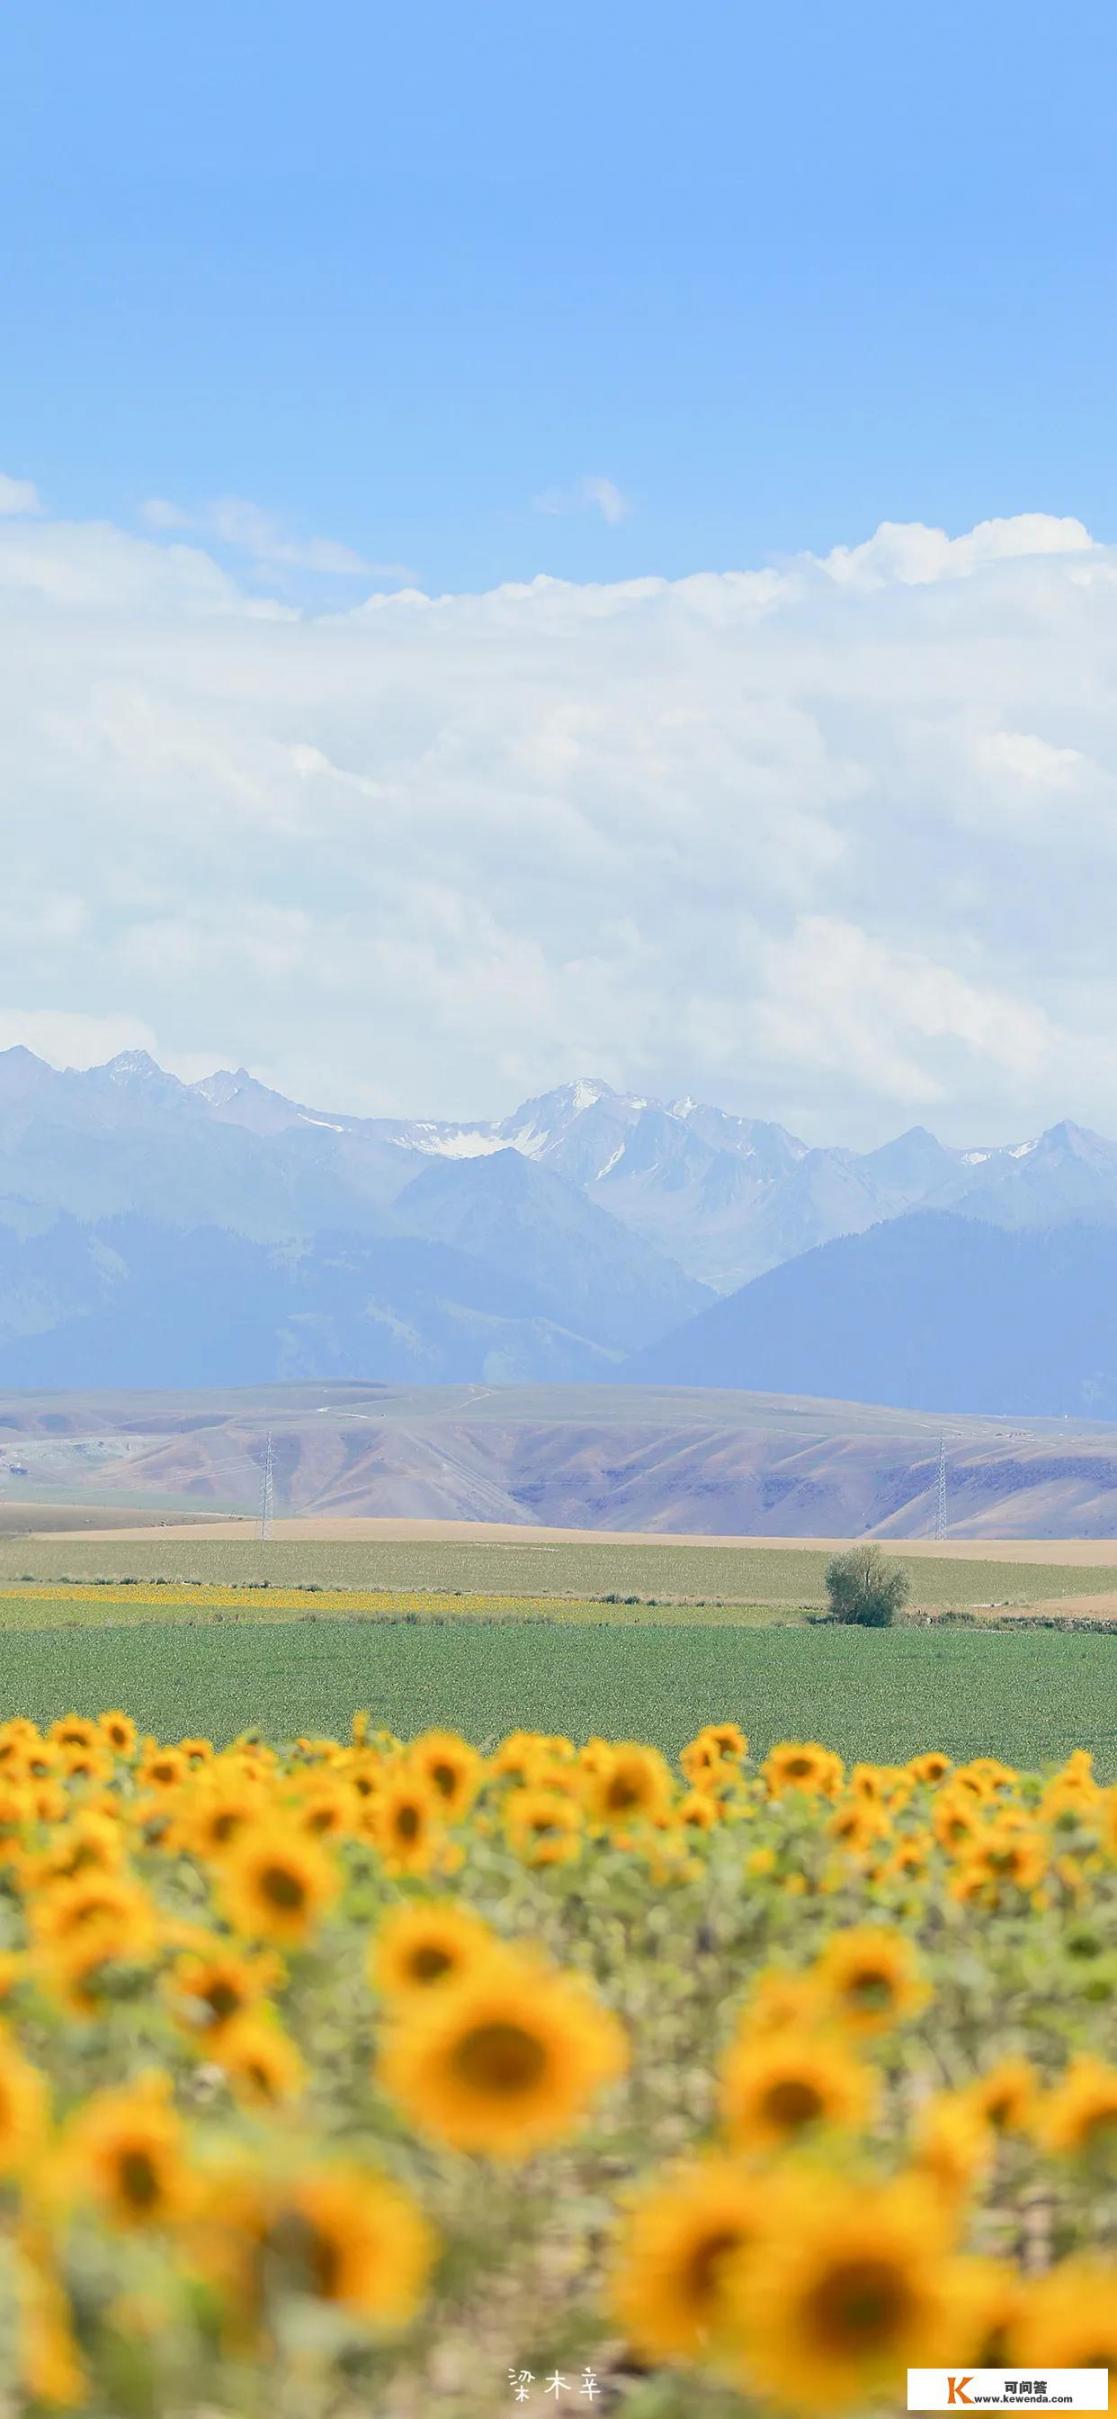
834,840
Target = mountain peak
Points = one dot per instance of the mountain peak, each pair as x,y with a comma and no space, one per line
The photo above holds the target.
136,1067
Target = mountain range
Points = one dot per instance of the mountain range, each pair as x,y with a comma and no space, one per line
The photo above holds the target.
158,1232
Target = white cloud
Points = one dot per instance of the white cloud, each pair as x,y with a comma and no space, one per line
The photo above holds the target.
232,521
588,494
1024,758
18,496
838,845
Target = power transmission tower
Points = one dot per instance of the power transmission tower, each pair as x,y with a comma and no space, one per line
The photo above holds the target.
267,1494
940,1498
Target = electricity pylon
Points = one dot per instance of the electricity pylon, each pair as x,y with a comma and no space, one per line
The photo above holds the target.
267,1494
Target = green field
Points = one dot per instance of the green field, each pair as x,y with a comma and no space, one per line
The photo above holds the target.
1029,1697
740,1575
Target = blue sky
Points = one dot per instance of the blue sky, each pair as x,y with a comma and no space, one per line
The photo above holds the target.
777,273
781,339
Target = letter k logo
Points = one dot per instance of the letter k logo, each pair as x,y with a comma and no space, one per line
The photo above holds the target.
957,2392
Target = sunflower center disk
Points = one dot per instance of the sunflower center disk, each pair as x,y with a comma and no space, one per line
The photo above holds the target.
859,2304
283,1887
500,2058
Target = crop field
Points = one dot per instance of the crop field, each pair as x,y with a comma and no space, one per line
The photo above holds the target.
367,2073
879,1695
791,1576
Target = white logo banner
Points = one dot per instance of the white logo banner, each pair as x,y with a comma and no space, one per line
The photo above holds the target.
1028,2389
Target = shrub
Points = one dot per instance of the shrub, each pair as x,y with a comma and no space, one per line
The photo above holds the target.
862,1587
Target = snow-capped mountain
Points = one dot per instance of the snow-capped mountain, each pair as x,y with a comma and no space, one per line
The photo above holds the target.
587,1223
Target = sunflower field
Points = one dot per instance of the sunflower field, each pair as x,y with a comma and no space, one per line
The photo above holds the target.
369,2077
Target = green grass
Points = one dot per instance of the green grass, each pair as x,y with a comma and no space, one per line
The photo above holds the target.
139,1607
743,1575
1029,1698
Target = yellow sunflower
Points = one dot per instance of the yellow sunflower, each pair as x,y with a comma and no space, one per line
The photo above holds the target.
778,2088
405,1822
73,1730
450,1766
1000,1859
345,2235
425,1945
666,2276
633,1784
930,1768
847,2291
544,1826
1069,2317
221,1807
125,2152
264,2065
506,2060
950,2146
23,2109
118,1732
163,1768
987,2298
210,1986
779,1999
1005,2098
802,1765
1079,2116
276,1883
871,1978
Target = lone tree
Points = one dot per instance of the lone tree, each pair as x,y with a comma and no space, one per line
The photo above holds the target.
861,1586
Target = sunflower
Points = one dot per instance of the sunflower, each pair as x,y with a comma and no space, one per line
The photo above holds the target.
197,1752
17,1736
1001,1858
99,1898
807,1766
666,2275
405,1822
210,1986
49,2364
871,1978
955,1820
118,1733
950,2146
847,2290
345,2235
931,1767
634,1783
450,1766
506,2060
1069,2317
858,1826
163,1768
425,1945
126,2152
262,2062
276,1883
699,1810
23,2109
780,1999
1080,2114
780,2087
15,1815
86,1764
73,1730
1005,2098
225,1802
327,1809
544,1826
988,2298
